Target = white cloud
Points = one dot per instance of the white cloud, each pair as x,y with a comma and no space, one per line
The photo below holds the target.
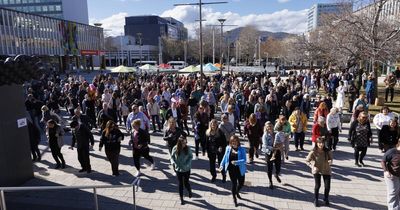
113,25
283,1
280,21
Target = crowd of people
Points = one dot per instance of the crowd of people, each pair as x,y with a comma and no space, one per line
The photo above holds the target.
214,110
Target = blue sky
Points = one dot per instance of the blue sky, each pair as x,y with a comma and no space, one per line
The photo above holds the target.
273,15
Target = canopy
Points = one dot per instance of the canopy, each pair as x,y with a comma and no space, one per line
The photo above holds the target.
190,69
209,67
218,65
148,67
165,66
122,69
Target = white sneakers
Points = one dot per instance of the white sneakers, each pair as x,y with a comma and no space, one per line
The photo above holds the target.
137,173
153,166
195,158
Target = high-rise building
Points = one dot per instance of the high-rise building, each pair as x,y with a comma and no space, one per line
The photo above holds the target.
72,10
390,10
152,28
317,11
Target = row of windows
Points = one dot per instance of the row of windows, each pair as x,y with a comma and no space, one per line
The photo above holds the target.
38,9
6,2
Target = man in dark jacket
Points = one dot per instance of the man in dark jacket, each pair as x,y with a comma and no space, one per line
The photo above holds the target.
82,118
82,136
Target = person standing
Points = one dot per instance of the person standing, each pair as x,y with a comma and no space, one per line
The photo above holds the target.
234,161
226,127
380,120
388,137
172,134
390,82
253,130
201,120
111,138
55,135
34,139
268,140
320,160
140,142
154,111
369,90
181,159
82,136
103,117
360,136
216,144
334,126
286,129
319,130
298,123
391,171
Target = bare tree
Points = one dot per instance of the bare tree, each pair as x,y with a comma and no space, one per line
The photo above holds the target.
248,40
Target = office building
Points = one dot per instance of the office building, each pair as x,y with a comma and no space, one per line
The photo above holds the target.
317,11
390,10
72,10
29,34
151,28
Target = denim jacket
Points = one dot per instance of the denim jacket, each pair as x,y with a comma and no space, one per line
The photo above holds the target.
241,162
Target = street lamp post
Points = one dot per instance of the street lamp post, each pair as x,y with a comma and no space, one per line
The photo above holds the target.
200,4
140,47
221,20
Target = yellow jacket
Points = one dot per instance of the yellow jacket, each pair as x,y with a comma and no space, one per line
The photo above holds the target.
293,124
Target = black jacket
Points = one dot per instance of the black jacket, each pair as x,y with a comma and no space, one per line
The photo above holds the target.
113,141
82,137
34,134
143,139
353,134
178,113
215,141
172,137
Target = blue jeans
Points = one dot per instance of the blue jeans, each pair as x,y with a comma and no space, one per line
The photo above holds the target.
393,190
370,97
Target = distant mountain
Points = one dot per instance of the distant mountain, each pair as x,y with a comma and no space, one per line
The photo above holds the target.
235,33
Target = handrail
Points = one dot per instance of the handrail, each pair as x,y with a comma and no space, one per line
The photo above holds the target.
135,182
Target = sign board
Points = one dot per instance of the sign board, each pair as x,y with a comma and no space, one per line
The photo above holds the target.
21,122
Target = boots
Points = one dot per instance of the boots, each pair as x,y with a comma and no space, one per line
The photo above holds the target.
182,201
235,201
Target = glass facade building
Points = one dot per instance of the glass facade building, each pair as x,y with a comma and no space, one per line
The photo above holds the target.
29,34
73,10
317,11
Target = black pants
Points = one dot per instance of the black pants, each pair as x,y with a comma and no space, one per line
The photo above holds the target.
200,141
270,164
327,183
253,146
144,152
299,139
237,125
212,111
56,153
184,122
183,180
359,153
125,118
391,90
236,178
333,140
156,119
35,151
113,157
83,158
351,102
212,159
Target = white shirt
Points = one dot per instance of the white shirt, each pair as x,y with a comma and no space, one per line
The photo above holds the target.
231,118
381,119
333,121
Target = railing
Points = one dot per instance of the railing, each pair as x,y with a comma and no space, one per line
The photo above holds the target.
134,184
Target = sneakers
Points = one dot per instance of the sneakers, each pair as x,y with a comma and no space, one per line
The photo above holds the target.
137,173
196,158
153,166
357,164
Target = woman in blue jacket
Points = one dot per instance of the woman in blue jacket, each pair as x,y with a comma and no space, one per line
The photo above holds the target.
234,161
369,90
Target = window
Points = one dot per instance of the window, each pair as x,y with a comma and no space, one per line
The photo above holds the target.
12,1
38,8
51,8
44,8
58,7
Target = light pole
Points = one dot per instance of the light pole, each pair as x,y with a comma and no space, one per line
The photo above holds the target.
200,4
140,46
221,20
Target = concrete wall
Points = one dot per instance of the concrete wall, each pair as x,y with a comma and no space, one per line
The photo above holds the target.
15,159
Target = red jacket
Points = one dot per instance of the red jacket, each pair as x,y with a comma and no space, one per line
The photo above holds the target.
316,132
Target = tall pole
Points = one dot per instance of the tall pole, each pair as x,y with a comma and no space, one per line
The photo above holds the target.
221,60
213,44
140,46
201,42
121,51
259,51
160,54
185,52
